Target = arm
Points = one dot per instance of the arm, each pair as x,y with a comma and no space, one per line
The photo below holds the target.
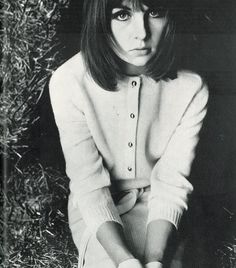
89,180
169,185
160,233
111,236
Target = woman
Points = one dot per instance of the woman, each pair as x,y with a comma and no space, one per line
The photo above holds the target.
129,125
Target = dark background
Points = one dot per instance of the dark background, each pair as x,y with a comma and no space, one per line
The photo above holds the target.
212,52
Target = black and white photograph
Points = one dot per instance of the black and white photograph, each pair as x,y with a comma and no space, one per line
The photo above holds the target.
118,134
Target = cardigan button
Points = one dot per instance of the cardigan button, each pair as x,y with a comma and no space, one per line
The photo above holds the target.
130,144
134,83
132,116
129,168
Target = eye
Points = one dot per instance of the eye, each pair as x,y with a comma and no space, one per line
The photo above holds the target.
121,15
157,13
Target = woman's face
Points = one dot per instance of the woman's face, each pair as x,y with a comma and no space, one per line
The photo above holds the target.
137,33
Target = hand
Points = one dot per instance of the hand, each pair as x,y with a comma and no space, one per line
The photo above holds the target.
154,264
131,263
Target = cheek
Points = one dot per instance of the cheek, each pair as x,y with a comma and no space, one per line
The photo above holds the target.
156,30
120,33
116,30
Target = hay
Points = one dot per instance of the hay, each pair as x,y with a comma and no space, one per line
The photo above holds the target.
34,221
30,53
37,232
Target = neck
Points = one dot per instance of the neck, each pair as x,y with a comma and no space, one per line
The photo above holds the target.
131,70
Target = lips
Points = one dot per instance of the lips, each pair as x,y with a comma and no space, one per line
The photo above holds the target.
141,51
141,48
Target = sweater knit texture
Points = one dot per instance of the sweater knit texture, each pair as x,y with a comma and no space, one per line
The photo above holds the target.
144,133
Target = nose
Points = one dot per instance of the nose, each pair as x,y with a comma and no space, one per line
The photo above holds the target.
139,26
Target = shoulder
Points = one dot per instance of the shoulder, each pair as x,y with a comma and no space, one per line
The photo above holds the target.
191,82
72,65
67,82
195,91
188,89
68,79
70,73
186,86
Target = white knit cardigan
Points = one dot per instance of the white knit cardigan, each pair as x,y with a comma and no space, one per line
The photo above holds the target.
143,133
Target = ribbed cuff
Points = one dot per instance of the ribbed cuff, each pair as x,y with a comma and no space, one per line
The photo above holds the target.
99,208
97,215
167,212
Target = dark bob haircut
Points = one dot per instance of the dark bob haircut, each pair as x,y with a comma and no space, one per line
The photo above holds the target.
97,44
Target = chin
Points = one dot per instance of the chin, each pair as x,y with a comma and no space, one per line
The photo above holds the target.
139,62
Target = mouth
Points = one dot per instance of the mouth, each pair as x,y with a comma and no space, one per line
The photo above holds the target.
141,51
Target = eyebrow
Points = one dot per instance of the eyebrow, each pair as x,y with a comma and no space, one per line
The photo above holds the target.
124,7
120,6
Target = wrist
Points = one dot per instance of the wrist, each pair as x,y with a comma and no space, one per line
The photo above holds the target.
123,257
154,264
132,262
154,256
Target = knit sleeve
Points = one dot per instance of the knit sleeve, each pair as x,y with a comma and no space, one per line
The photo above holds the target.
89,179
169,185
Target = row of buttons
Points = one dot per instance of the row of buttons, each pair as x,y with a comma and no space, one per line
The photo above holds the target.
130,144
132,116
